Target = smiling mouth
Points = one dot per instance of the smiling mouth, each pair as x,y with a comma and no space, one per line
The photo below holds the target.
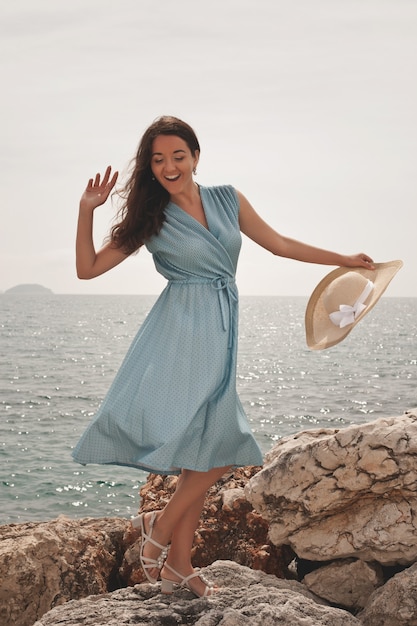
172,178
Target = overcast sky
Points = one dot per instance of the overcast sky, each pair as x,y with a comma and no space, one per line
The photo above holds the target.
307,106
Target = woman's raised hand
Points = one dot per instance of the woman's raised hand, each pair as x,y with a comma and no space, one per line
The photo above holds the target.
98,189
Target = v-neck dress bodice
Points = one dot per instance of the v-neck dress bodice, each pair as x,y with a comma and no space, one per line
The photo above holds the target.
173,404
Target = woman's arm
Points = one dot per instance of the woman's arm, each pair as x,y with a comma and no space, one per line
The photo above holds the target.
90,263
252,225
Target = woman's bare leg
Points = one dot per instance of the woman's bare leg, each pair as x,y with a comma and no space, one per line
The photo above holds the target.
177,521
182,539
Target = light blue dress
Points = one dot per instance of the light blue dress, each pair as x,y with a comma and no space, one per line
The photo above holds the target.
173,403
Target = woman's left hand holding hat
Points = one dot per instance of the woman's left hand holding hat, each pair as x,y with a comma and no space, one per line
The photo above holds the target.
359,260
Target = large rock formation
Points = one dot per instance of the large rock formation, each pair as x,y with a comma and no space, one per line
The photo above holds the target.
247,598
332,494
343,503
348,498
46,564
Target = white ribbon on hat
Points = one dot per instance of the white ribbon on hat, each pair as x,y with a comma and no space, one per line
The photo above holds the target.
347,314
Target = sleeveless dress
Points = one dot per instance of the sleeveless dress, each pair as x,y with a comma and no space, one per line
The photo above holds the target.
173,403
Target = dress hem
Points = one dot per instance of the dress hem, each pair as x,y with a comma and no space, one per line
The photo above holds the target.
167,472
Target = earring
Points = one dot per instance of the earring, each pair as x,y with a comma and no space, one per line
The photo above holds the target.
195,171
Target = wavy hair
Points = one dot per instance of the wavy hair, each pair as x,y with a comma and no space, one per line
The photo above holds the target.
142,212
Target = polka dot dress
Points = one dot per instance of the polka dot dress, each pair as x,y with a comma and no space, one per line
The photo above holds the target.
173,403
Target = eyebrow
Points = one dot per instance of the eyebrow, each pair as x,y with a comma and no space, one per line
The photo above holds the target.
175,152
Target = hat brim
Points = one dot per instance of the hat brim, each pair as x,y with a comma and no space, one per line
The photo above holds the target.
320,331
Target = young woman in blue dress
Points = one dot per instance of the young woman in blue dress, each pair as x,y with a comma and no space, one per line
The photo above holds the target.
162,172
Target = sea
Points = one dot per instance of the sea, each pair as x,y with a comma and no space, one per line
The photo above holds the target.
59,354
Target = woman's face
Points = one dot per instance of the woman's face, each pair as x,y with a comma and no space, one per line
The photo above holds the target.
172,163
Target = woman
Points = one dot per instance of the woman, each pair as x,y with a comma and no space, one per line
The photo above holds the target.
173,407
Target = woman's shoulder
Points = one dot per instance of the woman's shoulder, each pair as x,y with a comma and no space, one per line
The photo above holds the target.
224,198
225,193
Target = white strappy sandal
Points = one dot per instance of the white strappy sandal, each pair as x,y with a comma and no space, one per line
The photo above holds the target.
167,585
147,562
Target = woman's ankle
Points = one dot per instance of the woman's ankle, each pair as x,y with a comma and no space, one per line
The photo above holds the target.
158,530
176,571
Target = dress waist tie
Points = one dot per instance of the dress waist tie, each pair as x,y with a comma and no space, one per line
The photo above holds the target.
220,284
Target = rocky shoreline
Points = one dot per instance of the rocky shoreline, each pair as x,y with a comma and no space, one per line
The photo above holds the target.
324,533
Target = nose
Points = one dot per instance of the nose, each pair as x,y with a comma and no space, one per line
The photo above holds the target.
170,166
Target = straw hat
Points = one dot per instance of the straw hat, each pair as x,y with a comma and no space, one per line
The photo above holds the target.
342,299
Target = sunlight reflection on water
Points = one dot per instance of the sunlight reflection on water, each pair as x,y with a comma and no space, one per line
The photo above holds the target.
60,359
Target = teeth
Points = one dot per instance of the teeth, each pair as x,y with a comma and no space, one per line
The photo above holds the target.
172,177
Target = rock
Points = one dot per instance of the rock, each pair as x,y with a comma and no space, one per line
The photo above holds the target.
342,502
247,598
48,563
44,564
347,583
332,494
395,603
229,528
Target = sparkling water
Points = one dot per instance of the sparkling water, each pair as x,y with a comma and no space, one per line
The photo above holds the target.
59,354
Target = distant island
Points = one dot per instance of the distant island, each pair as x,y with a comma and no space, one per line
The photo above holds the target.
28,289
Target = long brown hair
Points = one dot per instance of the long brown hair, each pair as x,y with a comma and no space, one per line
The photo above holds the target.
144,199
